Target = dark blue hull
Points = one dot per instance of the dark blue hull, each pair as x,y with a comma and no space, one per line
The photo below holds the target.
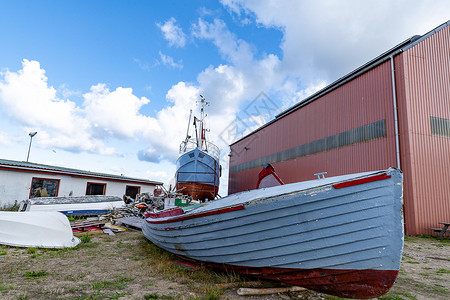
198,175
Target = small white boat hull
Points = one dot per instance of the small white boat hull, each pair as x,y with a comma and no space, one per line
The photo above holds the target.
36,229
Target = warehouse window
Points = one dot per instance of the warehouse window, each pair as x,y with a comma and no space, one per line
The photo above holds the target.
43,187
357,135
440,126
95,188
132,191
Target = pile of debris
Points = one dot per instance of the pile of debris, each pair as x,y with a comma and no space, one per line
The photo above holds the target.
132,213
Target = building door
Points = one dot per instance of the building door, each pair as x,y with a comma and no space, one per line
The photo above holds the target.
132,191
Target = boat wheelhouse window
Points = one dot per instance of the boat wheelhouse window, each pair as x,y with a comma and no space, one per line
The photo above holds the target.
132,191
95,188
43,187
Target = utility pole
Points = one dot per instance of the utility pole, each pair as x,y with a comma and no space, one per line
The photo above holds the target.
31,134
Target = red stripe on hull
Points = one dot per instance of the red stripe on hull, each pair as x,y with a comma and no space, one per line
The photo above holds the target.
361,181
357,284
198,191
198,215
167,213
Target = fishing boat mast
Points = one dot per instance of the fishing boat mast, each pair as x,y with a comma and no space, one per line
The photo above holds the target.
202,123
184,144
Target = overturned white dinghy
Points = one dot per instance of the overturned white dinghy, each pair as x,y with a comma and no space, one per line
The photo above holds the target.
74,205
36,229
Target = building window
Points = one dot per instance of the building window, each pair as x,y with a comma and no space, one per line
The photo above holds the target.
43,187
440,126
132,191
95,188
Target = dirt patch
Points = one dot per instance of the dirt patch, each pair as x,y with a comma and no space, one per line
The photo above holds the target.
104,268
125,266
425,269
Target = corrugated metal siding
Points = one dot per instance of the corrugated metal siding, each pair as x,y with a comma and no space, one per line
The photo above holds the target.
423,95
366,99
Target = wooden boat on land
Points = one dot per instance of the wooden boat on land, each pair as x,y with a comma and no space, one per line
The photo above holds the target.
36,229
198,168
74,205
340,235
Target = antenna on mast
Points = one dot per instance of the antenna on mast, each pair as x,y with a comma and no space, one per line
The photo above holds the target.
203,103
202,120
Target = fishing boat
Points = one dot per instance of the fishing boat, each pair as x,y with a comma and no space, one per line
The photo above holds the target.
36,229
198,168
339,235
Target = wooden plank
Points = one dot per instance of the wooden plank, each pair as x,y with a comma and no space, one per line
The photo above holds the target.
268,291
131,222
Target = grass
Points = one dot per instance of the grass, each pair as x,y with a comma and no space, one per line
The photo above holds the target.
35,274
439,242
107,289
440,290
200,279
5,287
413,262
86,238
101,295
407,295
156,296
443,271
119,283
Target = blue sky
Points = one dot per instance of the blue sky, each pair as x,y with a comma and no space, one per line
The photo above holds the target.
108,85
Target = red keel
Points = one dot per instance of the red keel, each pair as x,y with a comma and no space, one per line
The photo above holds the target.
198,191
356,284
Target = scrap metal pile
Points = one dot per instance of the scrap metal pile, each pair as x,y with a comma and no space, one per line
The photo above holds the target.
146,202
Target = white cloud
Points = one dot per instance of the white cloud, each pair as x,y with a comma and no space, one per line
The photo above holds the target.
173,33
27,98
66,92
168,60
323,40
173,119
235,50
116,113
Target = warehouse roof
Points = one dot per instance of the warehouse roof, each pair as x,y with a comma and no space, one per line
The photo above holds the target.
405,45
40,168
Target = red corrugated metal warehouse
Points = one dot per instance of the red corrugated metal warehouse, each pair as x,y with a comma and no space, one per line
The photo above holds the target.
394,111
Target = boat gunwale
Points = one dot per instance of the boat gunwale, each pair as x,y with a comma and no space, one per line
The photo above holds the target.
192,214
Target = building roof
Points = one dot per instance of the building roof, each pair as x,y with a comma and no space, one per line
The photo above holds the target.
403,46
55,170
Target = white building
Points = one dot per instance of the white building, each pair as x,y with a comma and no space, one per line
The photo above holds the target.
24,180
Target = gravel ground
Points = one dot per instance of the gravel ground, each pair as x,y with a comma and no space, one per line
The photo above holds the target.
126,266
